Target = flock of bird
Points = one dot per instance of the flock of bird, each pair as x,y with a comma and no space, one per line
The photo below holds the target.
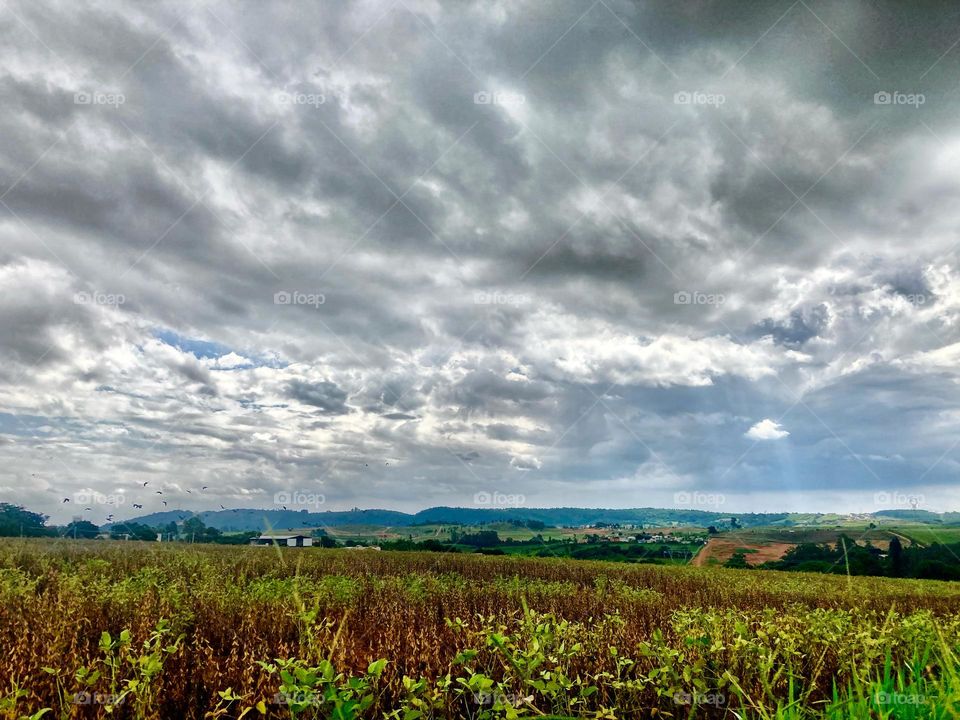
139,506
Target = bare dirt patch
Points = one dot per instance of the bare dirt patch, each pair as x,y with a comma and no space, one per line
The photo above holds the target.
718,550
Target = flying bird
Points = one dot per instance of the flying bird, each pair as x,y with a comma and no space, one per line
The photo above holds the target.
204,487
146,482
65,500
222,507
137,506
189,493
159,492
164,503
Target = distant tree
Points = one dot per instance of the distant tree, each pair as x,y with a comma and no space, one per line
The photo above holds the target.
483,538
739,560
712,530
15,521
896,557
132,530
81,529
325,541
194,529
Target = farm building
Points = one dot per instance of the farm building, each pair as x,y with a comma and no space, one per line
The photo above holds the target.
286,540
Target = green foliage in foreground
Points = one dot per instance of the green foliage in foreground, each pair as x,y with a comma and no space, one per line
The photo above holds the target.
533,667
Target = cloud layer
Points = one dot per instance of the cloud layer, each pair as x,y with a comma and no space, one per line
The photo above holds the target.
399,253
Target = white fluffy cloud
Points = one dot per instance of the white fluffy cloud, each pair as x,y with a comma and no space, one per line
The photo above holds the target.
766,429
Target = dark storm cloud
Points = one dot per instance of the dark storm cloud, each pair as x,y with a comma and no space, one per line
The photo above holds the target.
324,395
802,325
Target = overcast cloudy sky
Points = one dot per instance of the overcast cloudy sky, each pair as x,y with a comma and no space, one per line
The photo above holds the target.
399,253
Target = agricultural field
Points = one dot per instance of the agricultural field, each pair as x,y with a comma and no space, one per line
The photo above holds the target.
927,534
442,532
155,631
765,544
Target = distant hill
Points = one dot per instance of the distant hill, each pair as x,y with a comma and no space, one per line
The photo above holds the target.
246,519
249,519
239,520
923,516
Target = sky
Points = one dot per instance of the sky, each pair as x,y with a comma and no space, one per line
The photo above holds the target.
407,253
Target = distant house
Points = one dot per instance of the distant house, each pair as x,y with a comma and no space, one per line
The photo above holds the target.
284,540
